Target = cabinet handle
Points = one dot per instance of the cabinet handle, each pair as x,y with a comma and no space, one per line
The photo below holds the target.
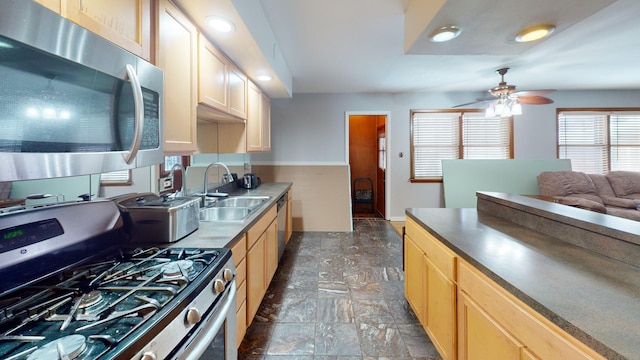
138,114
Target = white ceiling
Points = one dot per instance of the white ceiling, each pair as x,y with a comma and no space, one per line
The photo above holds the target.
347,46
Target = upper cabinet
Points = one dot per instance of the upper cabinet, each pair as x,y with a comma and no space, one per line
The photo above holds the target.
258,130
177,50
127,23
222,87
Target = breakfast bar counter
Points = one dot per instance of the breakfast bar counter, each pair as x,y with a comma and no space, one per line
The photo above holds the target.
589,293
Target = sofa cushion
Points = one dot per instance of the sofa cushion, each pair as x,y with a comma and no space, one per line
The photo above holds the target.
620,202
624,183
564,183
603,187
582,203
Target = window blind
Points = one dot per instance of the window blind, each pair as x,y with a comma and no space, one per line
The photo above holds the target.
437,136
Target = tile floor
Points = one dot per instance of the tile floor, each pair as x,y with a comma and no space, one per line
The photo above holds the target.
338,296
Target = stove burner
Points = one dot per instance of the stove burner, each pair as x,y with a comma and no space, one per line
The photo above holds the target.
71,346
90,298
177,268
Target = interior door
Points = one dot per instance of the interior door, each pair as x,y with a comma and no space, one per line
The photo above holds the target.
381,170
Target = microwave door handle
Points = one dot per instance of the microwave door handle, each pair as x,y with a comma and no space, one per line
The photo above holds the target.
139,114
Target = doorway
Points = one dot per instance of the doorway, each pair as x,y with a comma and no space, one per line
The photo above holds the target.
367,149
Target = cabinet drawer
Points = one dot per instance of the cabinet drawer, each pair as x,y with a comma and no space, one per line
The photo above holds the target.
241,296
443,258
260,226
241,272
540,336
239,250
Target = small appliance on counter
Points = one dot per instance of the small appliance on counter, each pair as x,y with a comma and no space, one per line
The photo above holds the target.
250,181
152,218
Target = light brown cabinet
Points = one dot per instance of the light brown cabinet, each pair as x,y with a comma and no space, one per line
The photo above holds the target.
177,56
468,316
430,287
222,87
289,229
258,130
262,260
239,252
126,23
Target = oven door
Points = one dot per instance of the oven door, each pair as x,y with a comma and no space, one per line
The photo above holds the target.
216,338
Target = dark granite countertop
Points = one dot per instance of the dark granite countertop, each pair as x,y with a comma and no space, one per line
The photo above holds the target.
219,234
592,297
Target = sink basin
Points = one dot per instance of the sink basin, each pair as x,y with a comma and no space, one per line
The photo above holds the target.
242,201
224,213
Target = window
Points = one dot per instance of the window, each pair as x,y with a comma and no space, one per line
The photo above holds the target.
599,141
445,134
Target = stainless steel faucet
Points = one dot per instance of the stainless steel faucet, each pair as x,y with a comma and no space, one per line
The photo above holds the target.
180,192
228,178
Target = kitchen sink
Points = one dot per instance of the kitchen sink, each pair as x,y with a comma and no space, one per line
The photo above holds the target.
242,201
224,213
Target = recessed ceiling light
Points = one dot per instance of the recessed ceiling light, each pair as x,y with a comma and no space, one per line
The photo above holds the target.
220,24
445,33
535,33
264,77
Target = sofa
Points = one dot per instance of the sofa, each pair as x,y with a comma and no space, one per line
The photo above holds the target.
617,193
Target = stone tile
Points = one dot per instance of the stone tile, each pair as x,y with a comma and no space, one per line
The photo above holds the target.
334,310
298,310
372,311
366,290
292,339
256,339
402,312
413,336
328,289
336,339
381,340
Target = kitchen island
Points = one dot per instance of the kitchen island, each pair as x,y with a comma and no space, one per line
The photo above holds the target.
569,271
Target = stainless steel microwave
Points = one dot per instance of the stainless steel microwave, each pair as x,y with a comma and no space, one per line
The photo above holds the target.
71,102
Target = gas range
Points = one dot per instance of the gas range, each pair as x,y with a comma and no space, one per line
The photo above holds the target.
75,293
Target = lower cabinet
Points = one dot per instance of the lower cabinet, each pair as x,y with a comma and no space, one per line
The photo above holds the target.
469,316
262,260
430,287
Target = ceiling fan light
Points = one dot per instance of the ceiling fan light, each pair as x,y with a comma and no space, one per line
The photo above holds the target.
535,33
490,112
516,108
445,33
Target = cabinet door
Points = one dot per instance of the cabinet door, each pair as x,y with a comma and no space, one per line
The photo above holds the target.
238,85
255,277
441,311
53,5
480,337
127,23
177,51
213,80
265,112
254,122
271,255
414,278
289,230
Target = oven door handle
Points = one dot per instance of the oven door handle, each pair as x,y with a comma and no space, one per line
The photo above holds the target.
209,331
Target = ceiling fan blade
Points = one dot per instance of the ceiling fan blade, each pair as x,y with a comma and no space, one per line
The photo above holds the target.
534,100
475,102
533,92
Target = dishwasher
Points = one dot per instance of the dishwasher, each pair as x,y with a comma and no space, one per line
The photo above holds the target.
282,223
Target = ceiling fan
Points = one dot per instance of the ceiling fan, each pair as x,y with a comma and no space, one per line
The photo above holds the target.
506,94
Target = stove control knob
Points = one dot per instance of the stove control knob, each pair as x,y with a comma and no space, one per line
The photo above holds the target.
149,355
227,275
218,286
193,316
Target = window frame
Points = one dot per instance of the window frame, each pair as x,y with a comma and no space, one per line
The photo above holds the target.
461,145
607,112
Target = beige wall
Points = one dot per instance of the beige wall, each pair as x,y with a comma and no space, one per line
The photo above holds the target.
321,194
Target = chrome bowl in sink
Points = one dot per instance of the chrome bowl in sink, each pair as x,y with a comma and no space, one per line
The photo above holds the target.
242,201
224,213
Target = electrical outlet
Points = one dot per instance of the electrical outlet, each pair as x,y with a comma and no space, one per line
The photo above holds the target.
247,167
